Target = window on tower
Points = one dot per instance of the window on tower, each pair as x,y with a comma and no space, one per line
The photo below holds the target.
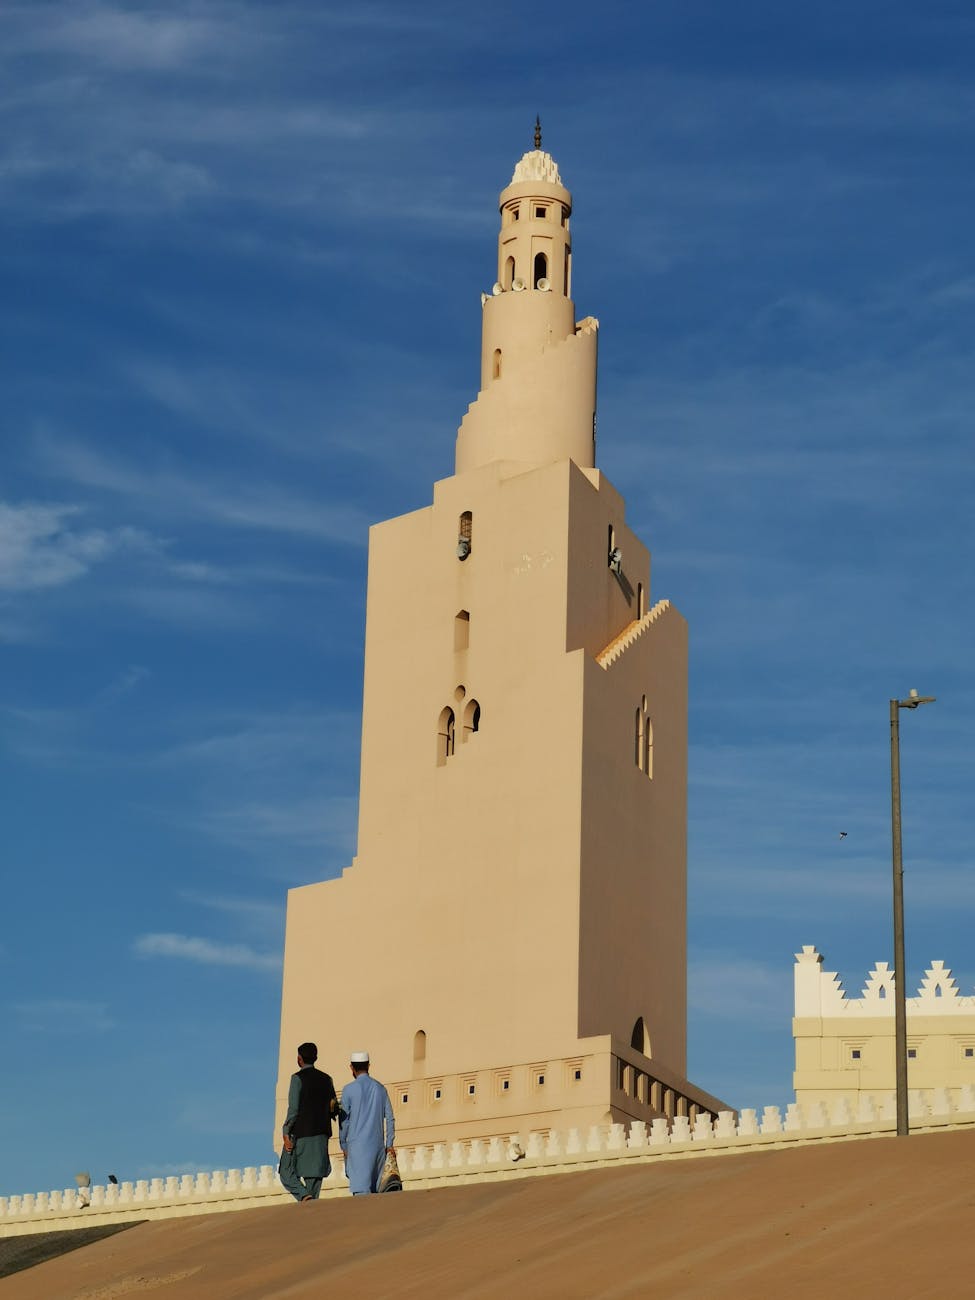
445,736
465,535
509,272
540,212
472,718
643,739
541,269
496,369
462,629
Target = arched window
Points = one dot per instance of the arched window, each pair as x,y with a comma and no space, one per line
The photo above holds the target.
472,718
640,604
541,269
462,629
465,535
638,739
509,272
445,736
419,1046
497,363
640,1039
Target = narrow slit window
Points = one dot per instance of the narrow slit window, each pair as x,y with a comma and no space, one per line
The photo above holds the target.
540,269
496,368
462,630
643,739
509,272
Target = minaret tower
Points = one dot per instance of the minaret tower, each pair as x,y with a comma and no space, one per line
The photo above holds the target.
509,943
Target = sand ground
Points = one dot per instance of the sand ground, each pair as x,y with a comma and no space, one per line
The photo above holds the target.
890,1217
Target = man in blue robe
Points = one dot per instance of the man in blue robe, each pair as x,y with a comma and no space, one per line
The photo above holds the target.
307,1128
366,1127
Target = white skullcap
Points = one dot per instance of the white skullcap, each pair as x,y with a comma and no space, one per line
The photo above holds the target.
359,1058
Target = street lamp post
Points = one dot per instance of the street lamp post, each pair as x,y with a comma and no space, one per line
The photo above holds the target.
900,977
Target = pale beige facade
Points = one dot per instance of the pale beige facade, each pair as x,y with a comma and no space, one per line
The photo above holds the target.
509,943
845,1045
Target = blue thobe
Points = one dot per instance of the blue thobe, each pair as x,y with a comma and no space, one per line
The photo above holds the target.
366,1129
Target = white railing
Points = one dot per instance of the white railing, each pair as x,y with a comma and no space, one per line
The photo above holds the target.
554,1150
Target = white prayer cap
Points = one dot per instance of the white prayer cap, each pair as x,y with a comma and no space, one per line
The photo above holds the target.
359,1058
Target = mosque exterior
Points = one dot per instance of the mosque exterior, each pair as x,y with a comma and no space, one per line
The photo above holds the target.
512,932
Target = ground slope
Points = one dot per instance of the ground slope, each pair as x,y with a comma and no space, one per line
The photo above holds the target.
888,1217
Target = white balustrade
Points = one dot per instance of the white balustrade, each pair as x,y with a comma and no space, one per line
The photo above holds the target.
659,1132
703,1129
638,1135
747,1123
724,1125
535,1147
771,1120
680,1130
553,1146
616,1141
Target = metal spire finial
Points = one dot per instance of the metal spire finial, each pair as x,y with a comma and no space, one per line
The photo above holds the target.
538,132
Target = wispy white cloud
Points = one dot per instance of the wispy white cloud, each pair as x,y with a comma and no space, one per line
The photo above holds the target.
263,507
64,1016
42,546
309,822
257,915
121,37
207,952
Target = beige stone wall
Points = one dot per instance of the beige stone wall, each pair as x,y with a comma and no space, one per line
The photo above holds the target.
844,1046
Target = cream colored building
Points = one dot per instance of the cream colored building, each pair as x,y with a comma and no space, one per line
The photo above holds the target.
509,943
845,1045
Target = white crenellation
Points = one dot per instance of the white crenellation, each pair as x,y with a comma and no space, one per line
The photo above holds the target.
546,1150
820,993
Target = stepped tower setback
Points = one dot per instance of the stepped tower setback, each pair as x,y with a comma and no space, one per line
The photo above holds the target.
510,941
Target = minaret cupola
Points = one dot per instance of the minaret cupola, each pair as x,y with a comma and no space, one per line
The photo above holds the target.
538,366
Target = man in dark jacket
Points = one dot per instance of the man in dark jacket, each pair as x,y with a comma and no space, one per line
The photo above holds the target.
307,1128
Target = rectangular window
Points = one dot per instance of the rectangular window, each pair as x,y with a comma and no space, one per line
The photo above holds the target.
912,1053
855,1053
404,1098
540,213
505,1085
970,1051
470,1090
540,1080
577,1075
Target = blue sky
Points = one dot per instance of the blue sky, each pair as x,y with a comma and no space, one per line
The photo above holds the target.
241,251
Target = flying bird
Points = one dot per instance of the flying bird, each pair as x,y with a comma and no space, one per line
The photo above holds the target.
842,835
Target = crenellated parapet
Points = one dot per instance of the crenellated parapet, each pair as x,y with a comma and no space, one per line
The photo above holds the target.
820,993
542,1151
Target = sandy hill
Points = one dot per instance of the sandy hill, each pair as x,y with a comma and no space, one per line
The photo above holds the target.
888,1217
